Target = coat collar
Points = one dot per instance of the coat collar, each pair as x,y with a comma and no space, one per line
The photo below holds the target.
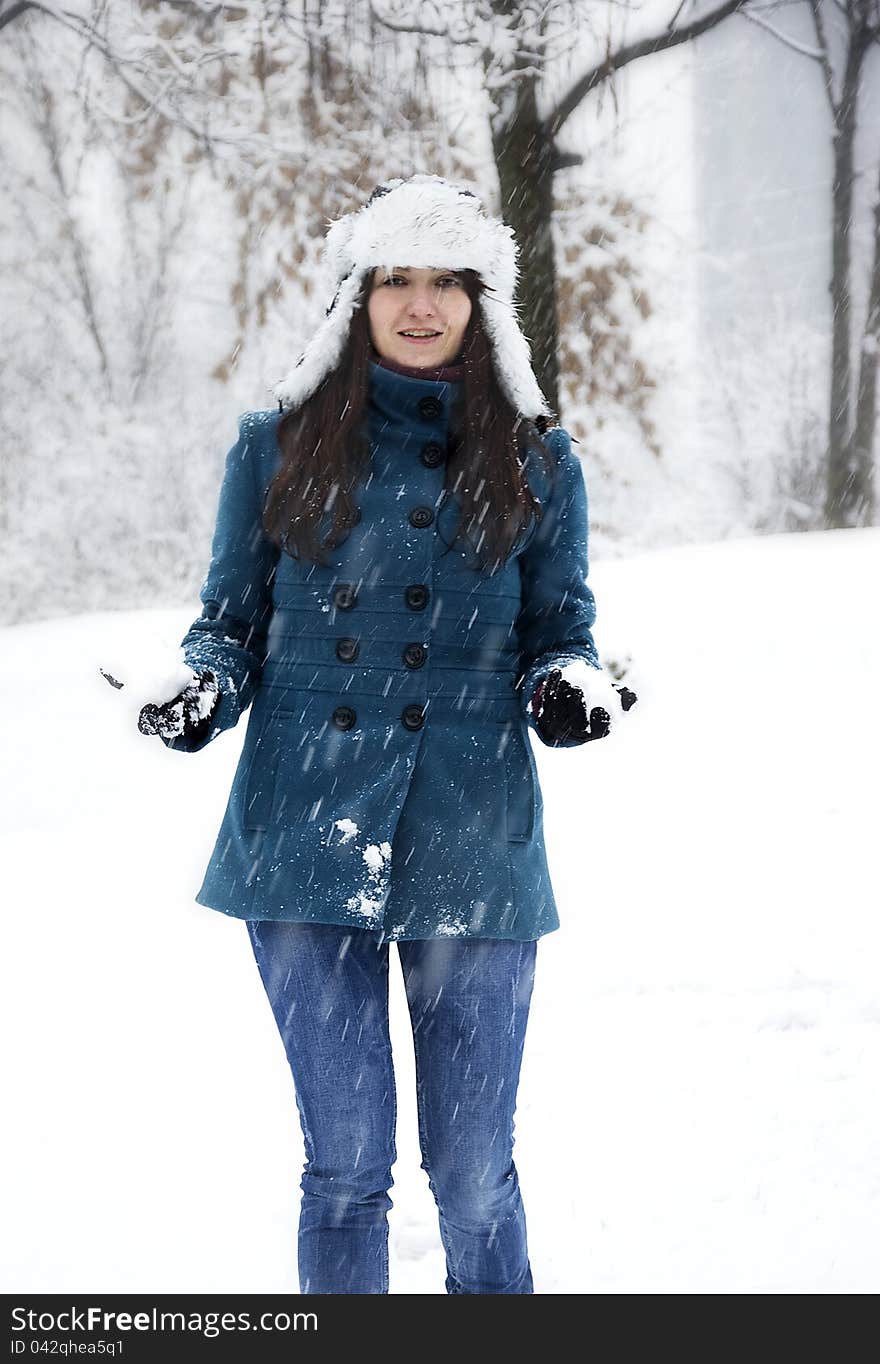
396,399
449,373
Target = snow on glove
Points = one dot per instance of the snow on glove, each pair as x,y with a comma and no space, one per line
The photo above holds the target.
188,714
576,704
143,669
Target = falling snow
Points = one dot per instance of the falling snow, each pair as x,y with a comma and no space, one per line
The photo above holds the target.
699,972
715,858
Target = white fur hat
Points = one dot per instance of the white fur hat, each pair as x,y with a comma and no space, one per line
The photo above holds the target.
423,222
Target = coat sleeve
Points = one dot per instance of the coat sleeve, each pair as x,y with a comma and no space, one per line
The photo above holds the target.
558,607
230,636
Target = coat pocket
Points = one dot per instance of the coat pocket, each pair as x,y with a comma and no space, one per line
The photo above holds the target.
260,773
522,787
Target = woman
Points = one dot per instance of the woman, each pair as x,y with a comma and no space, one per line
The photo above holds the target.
398,584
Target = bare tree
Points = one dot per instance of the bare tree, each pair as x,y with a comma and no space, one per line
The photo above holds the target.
247,126
516,41
865,429
53,105
841,53
172,58
179,60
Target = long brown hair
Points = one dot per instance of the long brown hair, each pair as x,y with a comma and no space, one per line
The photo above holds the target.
325,452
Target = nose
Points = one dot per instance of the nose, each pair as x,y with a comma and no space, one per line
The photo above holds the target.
421,302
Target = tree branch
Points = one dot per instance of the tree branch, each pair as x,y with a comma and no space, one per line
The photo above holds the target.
825,58
8,15
624,55
208,11
562,160
793,43
155,101
397,26
420,29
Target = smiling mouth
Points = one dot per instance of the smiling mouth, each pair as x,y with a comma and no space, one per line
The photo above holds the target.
416,335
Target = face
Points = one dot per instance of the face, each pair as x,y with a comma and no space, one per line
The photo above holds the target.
418,317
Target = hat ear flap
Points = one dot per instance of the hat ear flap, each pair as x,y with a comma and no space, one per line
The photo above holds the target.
336,246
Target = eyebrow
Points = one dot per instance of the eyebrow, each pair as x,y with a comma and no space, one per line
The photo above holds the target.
406,269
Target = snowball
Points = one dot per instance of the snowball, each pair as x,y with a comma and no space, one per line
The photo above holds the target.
595,685
150,668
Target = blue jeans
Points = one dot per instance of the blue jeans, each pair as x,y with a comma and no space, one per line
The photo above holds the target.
468,1003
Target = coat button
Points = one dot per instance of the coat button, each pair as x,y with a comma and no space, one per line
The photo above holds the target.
416,596
414,655
430,408
344,717
421,516
344,596
413,717
347,649
432,454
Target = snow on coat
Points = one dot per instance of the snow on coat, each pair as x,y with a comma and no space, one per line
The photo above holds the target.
386,779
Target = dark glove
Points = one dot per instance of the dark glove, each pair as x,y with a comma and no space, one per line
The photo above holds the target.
560,711
185,715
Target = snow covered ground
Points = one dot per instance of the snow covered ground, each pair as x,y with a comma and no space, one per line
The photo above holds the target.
698,1107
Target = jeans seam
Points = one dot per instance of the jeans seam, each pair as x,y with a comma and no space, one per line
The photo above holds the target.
420,1109
386,1279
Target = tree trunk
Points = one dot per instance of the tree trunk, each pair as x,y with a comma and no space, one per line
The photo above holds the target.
845,493
866,402
523,152
524,160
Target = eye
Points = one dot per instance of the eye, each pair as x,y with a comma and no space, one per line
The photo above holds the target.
394,280
449,282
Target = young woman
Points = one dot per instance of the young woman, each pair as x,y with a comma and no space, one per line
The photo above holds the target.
398,585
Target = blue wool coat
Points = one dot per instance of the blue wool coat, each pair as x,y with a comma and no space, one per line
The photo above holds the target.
386,779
